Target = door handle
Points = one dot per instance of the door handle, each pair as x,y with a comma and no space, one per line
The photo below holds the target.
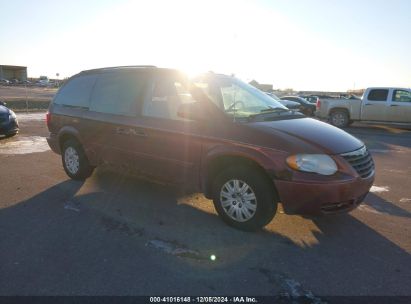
138,132
121,131
131,132
368,104
393,105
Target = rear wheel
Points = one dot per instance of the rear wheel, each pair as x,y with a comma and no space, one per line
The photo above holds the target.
244,198
339,119
75,162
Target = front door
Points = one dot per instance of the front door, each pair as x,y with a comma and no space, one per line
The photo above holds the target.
170,145
375,105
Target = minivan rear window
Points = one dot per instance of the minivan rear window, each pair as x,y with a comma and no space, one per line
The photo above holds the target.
76,92
118,93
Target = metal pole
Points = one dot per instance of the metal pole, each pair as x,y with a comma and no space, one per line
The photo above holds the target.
27,99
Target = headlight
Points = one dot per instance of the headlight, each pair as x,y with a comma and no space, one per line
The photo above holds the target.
316,163
12,115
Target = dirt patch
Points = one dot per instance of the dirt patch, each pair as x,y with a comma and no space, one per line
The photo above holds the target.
176,249
292,291
111,224
30,98
24,145
31,105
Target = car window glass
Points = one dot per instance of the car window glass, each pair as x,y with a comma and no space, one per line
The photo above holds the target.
211,90
235,96
118,93
378,95
76,92
167,95
401,96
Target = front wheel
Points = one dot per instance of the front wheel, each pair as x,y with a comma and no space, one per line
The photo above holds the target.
244,198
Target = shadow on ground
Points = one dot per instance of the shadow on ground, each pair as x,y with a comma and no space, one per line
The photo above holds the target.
70,240
380,205
382,137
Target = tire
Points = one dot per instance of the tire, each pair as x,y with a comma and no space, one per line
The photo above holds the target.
312,113
253,214
11,135
75,162
339,119
309,113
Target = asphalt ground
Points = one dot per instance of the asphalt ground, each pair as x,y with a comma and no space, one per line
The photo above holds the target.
115,234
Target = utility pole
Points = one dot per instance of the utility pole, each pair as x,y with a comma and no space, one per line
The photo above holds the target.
27,98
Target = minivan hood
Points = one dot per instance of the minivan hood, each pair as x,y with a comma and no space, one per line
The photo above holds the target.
321,136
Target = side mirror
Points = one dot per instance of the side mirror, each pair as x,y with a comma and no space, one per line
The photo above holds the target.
2,103
193,111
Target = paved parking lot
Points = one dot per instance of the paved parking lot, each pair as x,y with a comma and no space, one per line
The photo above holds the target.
117,235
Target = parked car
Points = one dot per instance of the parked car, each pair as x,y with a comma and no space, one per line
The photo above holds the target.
9,125
306,107
26,82
4,82
310,99
215,134
292,105
387,105
349,96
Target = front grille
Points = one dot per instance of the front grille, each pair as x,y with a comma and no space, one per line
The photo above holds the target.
361,161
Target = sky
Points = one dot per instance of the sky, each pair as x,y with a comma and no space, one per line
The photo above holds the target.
300,44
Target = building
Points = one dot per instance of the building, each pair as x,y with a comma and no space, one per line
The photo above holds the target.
261,86
13,72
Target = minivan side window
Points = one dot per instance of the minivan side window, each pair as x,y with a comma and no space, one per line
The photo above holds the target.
76,92
378,95
118,93
167,95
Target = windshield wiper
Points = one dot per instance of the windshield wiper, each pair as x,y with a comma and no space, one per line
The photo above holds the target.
268,111
273,110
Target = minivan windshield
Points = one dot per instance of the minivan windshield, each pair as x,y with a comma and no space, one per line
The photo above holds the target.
237,98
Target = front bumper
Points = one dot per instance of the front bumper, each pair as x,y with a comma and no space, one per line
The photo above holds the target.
320,115
322,198
12,127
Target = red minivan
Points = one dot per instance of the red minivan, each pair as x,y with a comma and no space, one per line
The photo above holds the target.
237,145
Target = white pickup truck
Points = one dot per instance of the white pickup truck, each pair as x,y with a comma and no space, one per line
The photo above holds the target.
388,105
